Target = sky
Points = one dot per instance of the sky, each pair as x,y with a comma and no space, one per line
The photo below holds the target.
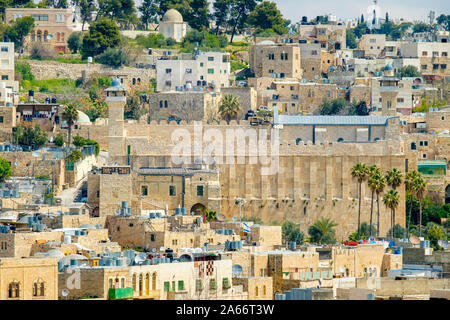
407,9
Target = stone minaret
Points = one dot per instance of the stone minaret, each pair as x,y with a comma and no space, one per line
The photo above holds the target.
116,99
389,91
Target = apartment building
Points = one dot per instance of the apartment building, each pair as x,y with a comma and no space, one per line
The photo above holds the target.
7,65
52,26
271,60
311,61
330,36
372,44
193,71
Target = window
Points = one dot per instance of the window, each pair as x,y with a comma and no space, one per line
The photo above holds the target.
442,118
271,56
425,53
256,291
174,242
166,286
435,54
210,58
297,141
424,67
225,284
152,237
284,56
444,54
14,289
168,70
373,40
212,284
443,66
424,155
292,88
435,66
144,190
1,119
188,70
198,285
180,285
161,104
4,49
165,103
413,146
264,290
400,100
211,71
172,191
173,285
98,194
199,191
340,140
5,77
425,143
201,64
40,17
314,53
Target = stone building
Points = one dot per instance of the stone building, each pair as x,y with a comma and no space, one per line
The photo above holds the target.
372,44
172,25
7,65
311,61
329,36
200,70
52,26
268,59
28,279
389,91
258,288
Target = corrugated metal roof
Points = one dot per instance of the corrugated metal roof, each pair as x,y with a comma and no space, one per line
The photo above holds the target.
334,120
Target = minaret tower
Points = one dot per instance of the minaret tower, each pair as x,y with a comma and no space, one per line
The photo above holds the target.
116,99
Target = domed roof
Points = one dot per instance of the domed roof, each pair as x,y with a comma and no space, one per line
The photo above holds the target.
265,43
172,15
83,117
388,68
116,82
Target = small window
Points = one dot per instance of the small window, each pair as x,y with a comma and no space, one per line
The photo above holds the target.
166,286
172,192
199,191
211,71
165,104
413,146
168,70
4,49
188,70
131,225
180,285
1,119
424,155
201,64
144,190
4,77
443,118
210,58
340,140
152,237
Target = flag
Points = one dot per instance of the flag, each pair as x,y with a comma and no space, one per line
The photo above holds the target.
246,227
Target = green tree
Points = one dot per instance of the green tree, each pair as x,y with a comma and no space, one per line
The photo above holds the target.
16,31
198,17
410,181
434,233
229,107
267,16
113,57
291,232
59,140
387,17
360,171
240,9
210,215
373,182
103,33
75,41
24,70
75,156
70,115
408,72
121,11
421,27
351,39
31,137
394,180
5,170
420,186
86,9
391,201
322,231
149,12
221,15
398,232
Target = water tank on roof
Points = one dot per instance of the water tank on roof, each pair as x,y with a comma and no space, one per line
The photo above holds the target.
124,204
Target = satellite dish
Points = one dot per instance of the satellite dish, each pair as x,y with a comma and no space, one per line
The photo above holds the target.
162,249
50,37
154,250
65,293
236,270
234,219
140,257
185,258
221,217
443,243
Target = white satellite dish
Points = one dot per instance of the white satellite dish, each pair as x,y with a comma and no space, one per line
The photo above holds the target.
162,249
443,243
154,250
65,293
50,37
234,219
140,257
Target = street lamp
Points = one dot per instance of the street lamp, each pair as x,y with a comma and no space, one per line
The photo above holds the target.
240,202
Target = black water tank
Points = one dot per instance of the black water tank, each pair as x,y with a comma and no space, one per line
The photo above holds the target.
31,93
53,100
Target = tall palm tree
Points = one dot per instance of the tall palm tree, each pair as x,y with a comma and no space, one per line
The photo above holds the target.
410,179
420,186
374,178
381,184
391,201
394,179
70,115
323,231
229,107
360,171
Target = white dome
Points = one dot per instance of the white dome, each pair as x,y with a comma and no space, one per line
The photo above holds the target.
265,43
83,117
172,15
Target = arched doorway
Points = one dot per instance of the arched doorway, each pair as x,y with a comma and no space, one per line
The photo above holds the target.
198,209
447,194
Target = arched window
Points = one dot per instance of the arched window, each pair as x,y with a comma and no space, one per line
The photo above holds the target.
264,290
154,281
39,36
33,37
340,140
141,285
147,284
58,37
14,289
256,291
38,288
110,283
62,36
122,283
134,282
42,289
413,146
45,36
160,104
297,141
116,283
165,103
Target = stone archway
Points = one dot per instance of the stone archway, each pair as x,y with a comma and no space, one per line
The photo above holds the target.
447,194
198,209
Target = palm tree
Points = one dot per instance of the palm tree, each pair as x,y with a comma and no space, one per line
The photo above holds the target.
394,179
410,184
229,107
391,201
70,115
374,180
323,231
360,171
211,215
420,186
379,189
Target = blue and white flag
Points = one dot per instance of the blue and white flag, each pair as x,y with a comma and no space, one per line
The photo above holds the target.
246,227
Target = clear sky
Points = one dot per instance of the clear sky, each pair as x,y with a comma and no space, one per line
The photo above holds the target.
407,9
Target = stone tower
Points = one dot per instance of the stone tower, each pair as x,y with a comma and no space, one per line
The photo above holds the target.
116,99
389,91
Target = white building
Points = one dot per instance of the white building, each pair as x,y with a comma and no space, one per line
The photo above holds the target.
7,65
172,25
205,69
